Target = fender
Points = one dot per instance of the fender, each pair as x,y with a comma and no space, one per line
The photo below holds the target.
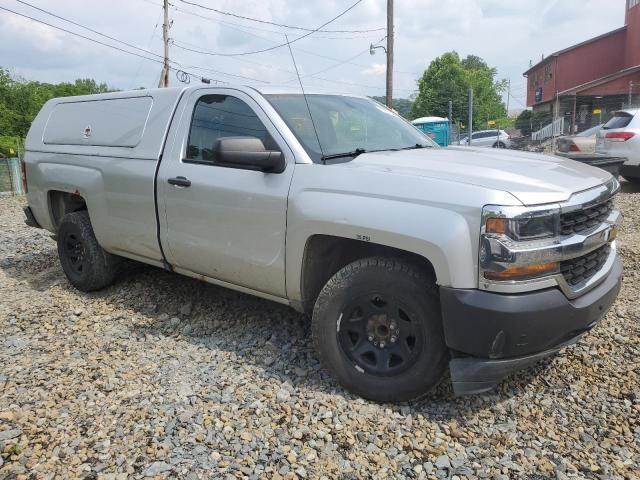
426,217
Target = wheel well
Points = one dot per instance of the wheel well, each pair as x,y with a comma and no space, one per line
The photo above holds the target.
61,203
324,255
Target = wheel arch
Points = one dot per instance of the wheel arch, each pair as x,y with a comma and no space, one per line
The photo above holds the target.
61,202
324,255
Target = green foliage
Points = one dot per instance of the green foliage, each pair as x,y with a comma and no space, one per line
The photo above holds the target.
505,122
524,122
401,105
541,119
21,100
449,78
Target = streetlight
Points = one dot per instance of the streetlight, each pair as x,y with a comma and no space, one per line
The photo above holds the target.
372,49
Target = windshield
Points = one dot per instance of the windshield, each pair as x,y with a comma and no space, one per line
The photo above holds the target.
345,125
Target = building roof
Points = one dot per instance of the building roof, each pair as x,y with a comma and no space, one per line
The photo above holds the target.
600,81
568,49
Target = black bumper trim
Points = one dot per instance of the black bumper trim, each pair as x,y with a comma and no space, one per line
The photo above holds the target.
30,220
493,335
632,171
472,375
497,326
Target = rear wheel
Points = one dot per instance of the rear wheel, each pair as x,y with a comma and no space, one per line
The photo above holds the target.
378,330
85,263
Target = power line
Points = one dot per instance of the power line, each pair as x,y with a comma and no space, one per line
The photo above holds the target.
220,54
156,60
148,52
153,32
267,22
79,25
242,28
82,36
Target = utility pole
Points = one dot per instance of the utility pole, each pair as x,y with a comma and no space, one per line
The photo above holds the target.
390,53
470,128
450,118
630,93
164,76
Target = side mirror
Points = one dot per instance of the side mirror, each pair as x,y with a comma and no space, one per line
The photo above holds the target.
249,153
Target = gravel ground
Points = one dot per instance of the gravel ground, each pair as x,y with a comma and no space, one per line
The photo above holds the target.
163,376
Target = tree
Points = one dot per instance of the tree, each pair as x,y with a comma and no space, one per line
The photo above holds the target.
401,105
449,78
21,100
524,122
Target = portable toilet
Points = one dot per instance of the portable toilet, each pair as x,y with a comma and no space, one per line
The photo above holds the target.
436,128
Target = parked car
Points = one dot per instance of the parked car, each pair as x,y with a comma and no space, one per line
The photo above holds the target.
620,137
584,142
410,258
488,138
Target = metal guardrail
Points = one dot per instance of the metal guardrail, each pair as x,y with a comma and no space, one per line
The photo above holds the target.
554,129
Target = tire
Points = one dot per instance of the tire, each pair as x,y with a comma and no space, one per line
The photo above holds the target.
87,266
499,145
358,314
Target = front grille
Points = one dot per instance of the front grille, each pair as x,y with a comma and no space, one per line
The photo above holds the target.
581,269
581,221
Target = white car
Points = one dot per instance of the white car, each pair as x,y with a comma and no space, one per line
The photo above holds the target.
488,138
620,137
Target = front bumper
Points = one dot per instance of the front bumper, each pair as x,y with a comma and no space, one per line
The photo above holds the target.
631,171
492,335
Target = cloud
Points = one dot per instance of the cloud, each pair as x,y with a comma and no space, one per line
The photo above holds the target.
505,33
376,69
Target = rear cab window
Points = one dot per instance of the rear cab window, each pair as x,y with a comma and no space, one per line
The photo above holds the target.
619,120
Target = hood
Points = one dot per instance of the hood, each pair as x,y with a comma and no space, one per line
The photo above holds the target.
531,177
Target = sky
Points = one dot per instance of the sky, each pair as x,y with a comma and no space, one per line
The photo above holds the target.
508,34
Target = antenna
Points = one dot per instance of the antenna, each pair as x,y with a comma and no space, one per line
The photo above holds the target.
304,95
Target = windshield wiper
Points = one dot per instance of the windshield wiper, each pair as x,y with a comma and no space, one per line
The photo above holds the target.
354,153
415,147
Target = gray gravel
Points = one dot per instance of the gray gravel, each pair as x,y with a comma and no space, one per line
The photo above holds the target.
161,376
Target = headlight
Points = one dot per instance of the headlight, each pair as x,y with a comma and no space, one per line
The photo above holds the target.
511,239
528,226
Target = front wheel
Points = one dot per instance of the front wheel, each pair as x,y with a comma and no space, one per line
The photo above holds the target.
378,330
499,145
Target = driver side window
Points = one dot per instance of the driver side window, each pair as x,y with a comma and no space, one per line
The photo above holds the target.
219,116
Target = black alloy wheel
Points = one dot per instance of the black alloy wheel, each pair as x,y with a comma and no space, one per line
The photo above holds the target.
380,335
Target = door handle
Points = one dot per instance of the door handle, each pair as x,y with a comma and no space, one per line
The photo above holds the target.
179,182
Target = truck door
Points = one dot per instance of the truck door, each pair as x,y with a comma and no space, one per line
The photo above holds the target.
225,223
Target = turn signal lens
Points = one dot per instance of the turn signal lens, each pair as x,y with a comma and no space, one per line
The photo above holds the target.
523,273
496,225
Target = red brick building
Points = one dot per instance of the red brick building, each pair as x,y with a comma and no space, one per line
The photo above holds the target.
585,83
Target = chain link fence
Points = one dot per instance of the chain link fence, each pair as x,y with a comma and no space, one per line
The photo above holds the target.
10,178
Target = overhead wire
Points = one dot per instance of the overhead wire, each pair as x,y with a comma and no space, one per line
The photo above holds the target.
243,28
159,58
236,54
181,66
85,28
268,22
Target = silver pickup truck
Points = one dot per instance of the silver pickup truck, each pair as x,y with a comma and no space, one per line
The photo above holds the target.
410,258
